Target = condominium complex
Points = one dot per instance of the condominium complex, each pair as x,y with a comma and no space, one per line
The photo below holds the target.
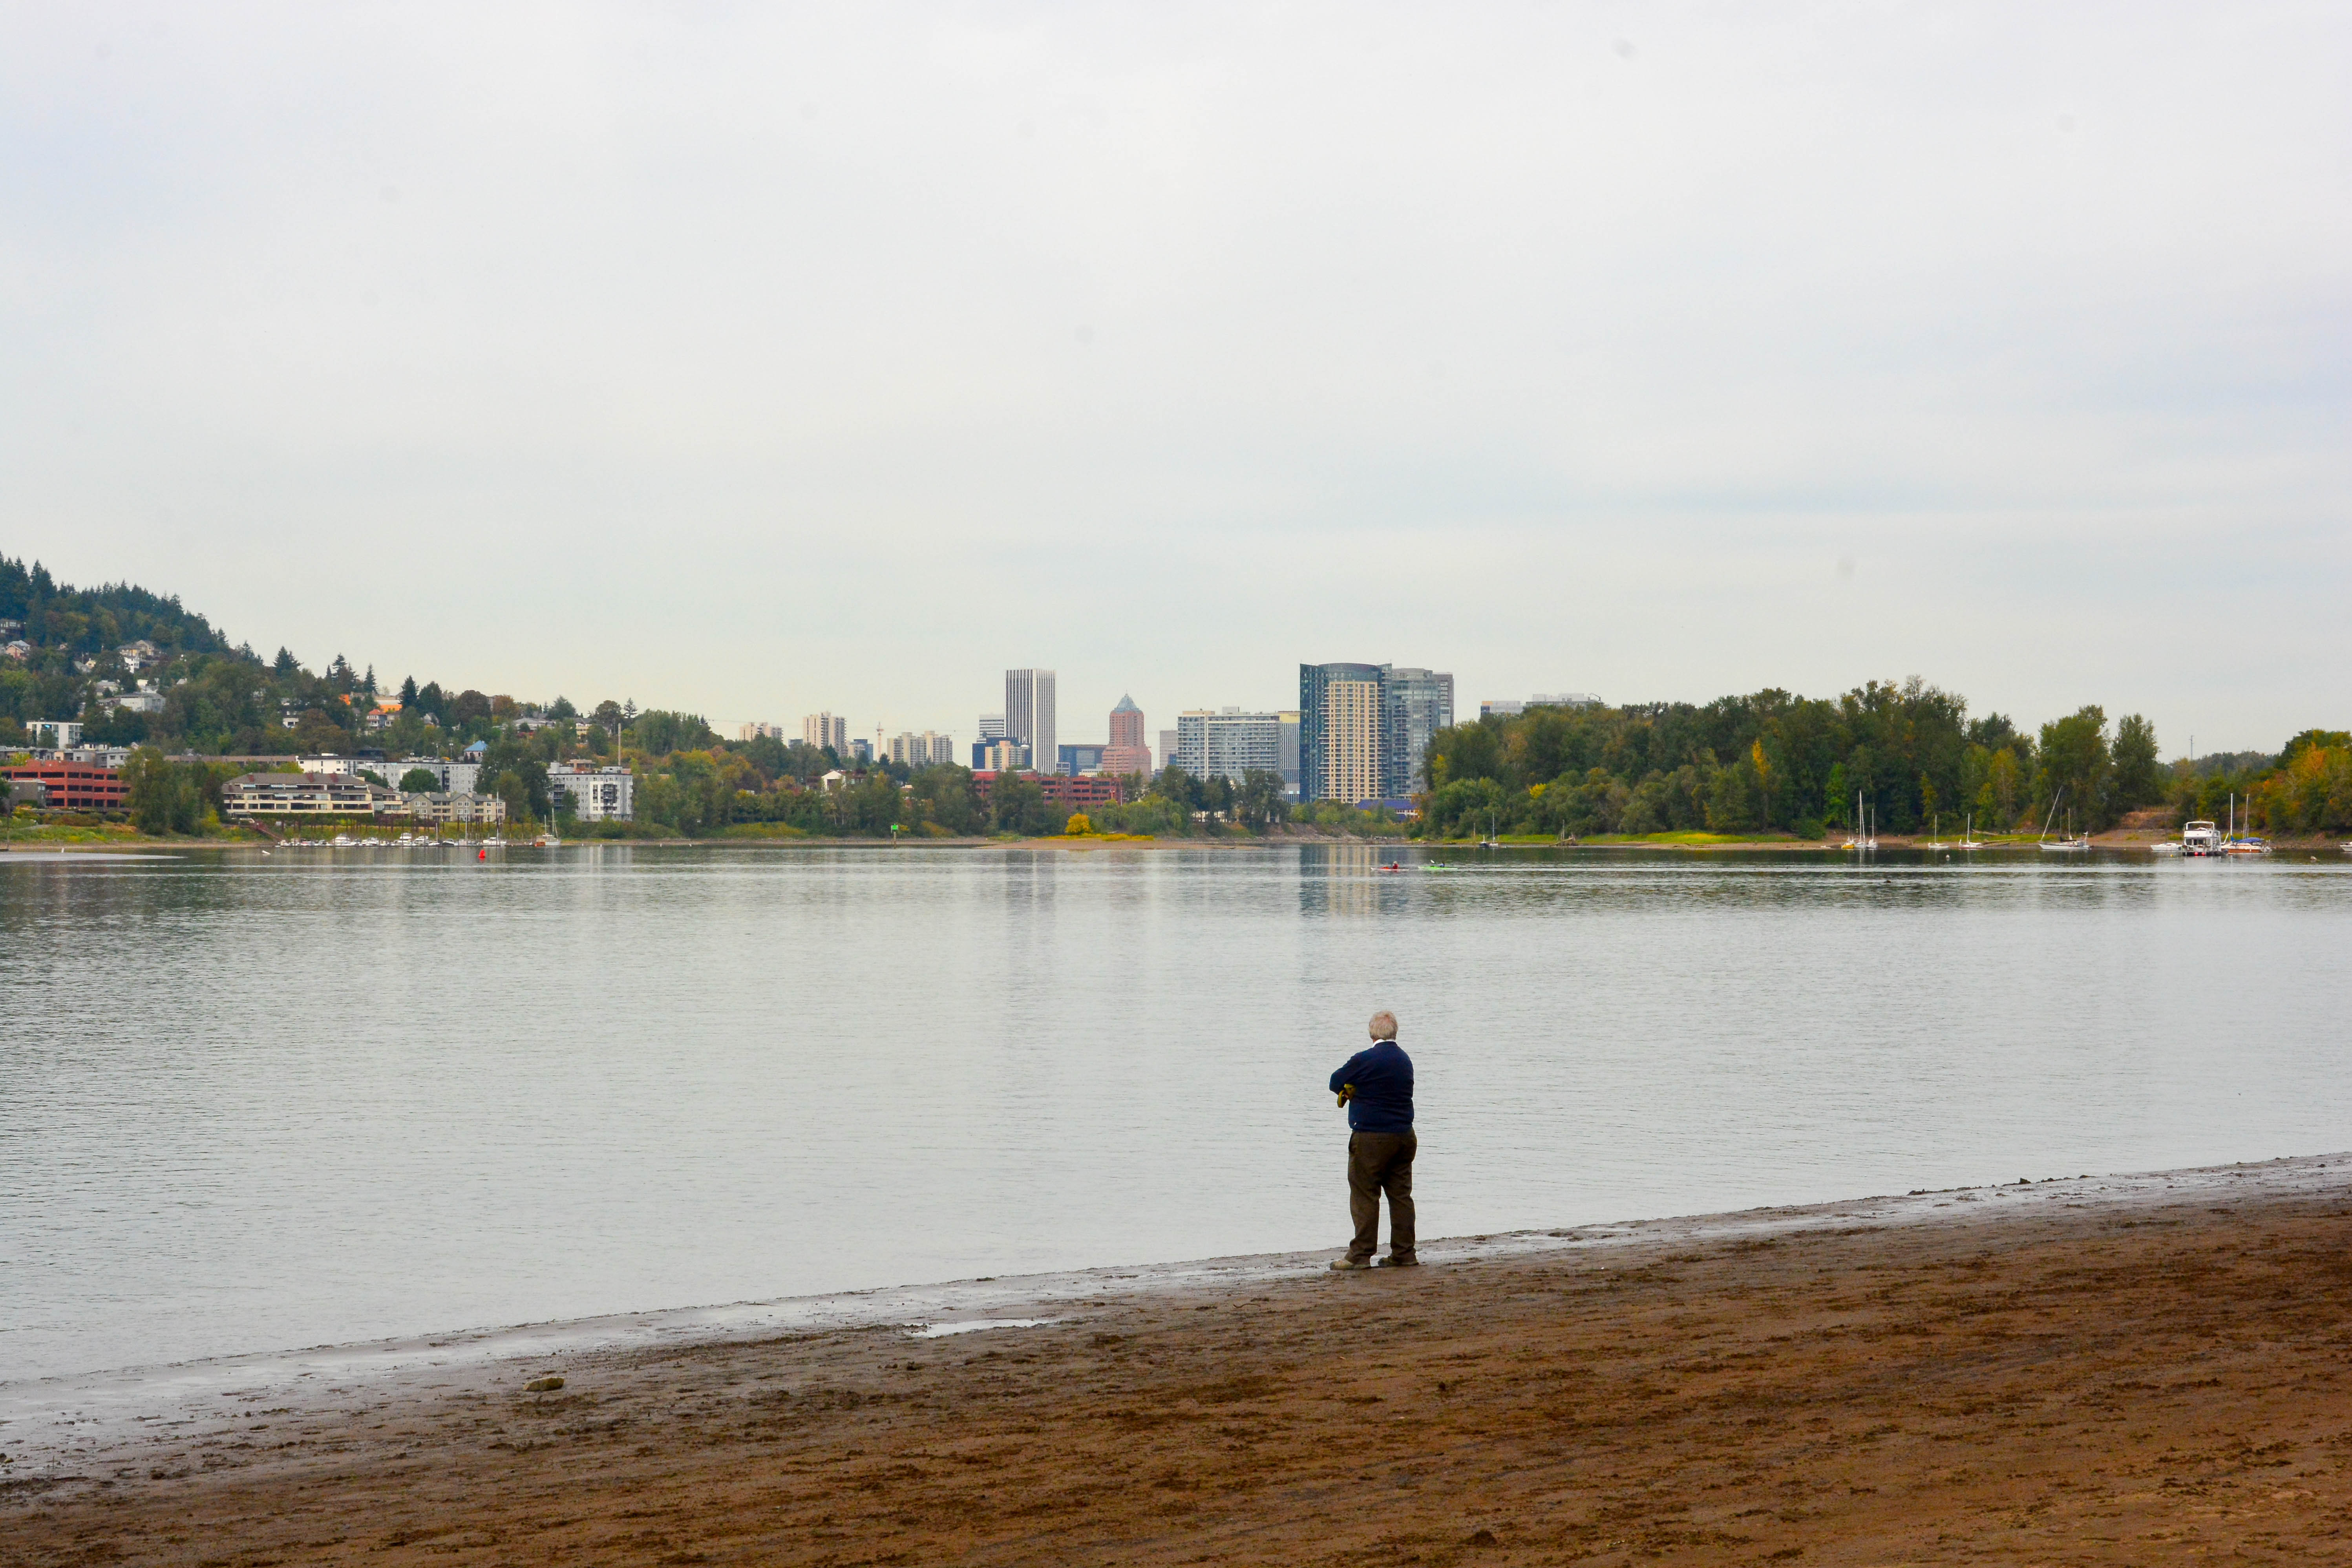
313,794
1365,729
1029,712
437,808
1229,742
822,729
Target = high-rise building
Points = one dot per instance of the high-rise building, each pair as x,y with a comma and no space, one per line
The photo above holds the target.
861,749
822,729
924,751
757,730
1167,748
1029,711
1127,753
999,757
1079,759
1229,742
992,727
1342,722
1416,704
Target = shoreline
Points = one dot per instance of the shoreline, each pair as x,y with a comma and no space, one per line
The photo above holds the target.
2116,1369
2322,847
50,1425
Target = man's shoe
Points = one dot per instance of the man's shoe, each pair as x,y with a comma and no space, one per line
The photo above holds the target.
1342,1265
1393,1261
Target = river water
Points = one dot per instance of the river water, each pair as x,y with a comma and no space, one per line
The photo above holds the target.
250,1103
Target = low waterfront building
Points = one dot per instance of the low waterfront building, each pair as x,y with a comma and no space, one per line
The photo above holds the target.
434,808
308,795
1098,790
70,786
591,793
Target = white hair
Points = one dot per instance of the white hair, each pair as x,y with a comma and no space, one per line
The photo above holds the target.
1384,1026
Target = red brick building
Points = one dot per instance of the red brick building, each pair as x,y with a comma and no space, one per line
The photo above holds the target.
76,786
1076,793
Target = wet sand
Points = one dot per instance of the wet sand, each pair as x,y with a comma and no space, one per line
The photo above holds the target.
2077,1372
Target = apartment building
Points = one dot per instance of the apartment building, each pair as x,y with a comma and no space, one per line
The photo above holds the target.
592,794
822,729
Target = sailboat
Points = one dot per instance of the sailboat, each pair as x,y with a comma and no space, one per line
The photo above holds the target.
2070,844
1935,834
2240,842
1863,839
1968,835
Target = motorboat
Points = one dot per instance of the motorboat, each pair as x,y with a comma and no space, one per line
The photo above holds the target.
2201,837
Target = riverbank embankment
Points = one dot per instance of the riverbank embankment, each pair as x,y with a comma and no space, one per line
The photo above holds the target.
2087,1371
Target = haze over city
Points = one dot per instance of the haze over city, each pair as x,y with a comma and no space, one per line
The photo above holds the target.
755,364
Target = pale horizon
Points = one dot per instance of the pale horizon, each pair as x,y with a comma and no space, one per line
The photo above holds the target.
753,365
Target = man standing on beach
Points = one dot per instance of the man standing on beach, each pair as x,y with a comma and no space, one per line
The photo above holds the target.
1376,1086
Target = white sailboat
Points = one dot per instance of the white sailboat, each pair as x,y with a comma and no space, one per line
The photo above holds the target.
1863,839
2068,845
1968,835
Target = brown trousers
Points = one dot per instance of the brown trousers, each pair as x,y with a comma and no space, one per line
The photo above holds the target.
1381,1163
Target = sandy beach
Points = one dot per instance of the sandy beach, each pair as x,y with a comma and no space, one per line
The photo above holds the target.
2108,1371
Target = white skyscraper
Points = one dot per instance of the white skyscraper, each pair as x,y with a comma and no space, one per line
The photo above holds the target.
1029,712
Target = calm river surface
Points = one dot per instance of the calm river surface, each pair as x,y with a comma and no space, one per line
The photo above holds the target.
251,1103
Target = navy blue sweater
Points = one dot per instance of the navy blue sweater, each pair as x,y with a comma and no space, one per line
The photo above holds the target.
1383,1081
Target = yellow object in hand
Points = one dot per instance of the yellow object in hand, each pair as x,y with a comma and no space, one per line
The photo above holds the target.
1347,1092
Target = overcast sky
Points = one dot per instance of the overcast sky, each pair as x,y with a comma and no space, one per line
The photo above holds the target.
758,359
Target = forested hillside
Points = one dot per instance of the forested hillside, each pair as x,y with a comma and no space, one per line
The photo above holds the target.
88,621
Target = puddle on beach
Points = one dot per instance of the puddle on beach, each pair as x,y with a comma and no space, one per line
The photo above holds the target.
973,1325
